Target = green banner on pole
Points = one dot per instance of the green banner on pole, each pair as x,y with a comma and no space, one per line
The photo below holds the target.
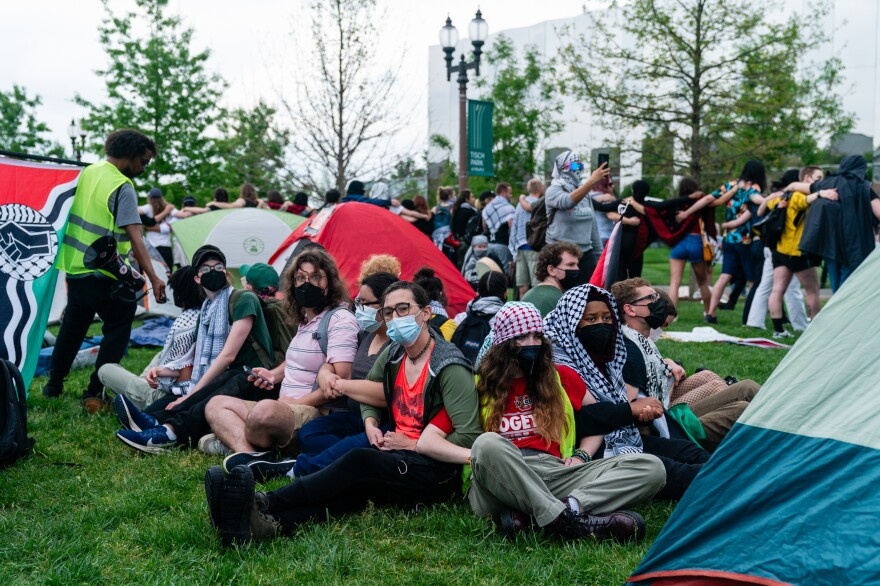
480,138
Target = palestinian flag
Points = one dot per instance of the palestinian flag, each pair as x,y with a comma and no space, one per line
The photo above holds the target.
35,199
605,273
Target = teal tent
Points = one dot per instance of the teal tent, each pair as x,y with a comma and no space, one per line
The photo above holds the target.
792,495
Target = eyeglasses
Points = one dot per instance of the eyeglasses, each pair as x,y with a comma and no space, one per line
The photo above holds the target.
401,309
649,298
315,279
362,303
205,269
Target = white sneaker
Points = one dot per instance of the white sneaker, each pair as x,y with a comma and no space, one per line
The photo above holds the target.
783,334
209,444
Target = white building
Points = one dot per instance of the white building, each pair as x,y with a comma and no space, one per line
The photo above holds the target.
853,27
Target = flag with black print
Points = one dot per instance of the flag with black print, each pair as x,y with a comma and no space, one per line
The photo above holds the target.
35,199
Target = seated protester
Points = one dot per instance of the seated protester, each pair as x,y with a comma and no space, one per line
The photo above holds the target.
706,421
557,271
224,344
473,325
379,263
431,283
420,374
261,279
325,439
174,364
315,295
525,465
588,345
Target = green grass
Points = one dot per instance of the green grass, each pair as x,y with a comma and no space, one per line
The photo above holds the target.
85,509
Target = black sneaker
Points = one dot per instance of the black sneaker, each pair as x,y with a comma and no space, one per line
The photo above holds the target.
264,465
710,319
52,390
233,506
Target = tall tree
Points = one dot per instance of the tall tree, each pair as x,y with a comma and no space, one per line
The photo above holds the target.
157,84
527,110
719,76
252,149
344,114
20,131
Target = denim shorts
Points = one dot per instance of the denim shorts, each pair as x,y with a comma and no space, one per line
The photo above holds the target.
738,260
689,248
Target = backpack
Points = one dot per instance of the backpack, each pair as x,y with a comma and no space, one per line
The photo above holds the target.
473,227
14,440
471,333
281,332
772,225
442,217
536,227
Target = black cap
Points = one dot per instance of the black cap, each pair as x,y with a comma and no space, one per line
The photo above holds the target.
207,252
189,201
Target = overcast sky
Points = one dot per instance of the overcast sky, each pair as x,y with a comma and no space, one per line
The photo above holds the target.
51,46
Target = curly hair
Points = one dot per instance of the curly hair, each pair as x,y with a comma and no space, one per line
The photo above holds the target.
551,256
542,386
378,263
128,143
335,293
187,293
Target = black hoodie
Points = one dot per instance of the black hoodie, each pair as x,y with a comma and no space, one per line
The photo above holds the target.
842,231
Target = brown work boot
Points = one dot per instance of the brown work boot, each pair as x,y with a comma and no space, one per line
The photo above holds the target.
619,525
92,404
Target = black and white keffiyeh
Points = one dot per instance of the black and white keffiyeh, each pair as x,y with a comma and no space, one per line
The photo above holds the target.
213,331
562,173
560,327
658,371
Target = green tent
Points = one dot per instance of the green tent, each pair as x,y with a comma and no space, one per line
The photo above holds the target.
245,235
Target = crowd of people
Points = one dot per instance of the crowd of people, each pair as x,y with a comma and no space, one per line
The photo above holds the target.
557,411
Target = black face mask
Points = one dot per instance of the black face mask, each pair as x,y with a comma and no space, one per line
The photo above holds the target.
570,279
596,338
309,296
658,313
213,281
527,357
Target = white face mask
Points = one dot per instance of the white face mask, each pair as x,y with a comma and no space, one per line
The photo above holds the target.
655,334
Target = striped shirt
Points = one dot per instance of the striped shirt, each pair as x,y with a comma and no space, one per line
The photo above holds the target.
304,358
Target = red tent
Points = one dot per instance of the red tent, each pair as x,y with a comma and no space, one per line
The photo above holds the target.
353,231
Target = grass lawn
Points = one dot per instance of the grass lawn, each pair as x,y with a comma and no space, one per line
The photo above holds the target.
86,509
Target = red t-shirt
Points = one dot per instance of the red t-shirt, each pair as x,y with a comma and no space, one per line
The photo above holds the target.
408,402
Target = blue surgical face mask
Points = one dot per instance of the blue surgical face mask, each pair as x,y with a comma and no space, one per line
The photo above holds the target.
404,330
366,318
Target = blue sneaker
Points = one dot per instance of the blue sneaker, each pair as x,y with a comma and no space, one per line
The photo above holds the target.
130,417
152,441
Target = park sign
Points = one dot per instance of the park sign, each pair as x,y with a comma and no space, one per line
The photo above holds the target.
480,138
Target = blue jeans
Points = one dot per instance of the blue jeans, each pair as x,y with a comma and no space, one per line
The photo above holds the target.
837,274
324,440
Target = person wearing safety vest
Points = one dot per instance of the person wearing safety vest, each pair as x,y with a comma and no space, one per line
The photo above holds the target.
105,204
525,467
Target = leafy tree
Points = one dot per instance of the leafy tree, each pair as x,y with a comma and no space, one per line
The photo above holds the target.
721,78
527,110
157,84
20,131
346,111
252,149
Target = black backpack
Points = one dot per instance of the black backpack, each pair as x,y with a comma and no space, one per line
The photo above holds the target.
536,227
471,333
772,225
14,440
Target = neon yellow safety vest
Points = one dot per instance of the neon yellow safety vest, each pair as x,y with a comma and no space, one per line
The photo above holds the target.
91,218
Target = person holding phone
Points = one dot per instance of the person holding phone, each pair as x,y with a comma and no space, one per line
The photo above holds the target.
570,213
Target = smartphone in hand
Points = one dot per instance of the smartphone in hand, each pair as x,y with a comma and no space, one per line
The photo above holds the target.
255,375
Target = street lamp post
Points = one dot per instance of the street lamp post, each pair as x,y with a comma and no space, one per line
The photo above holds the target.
478,31
74,131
